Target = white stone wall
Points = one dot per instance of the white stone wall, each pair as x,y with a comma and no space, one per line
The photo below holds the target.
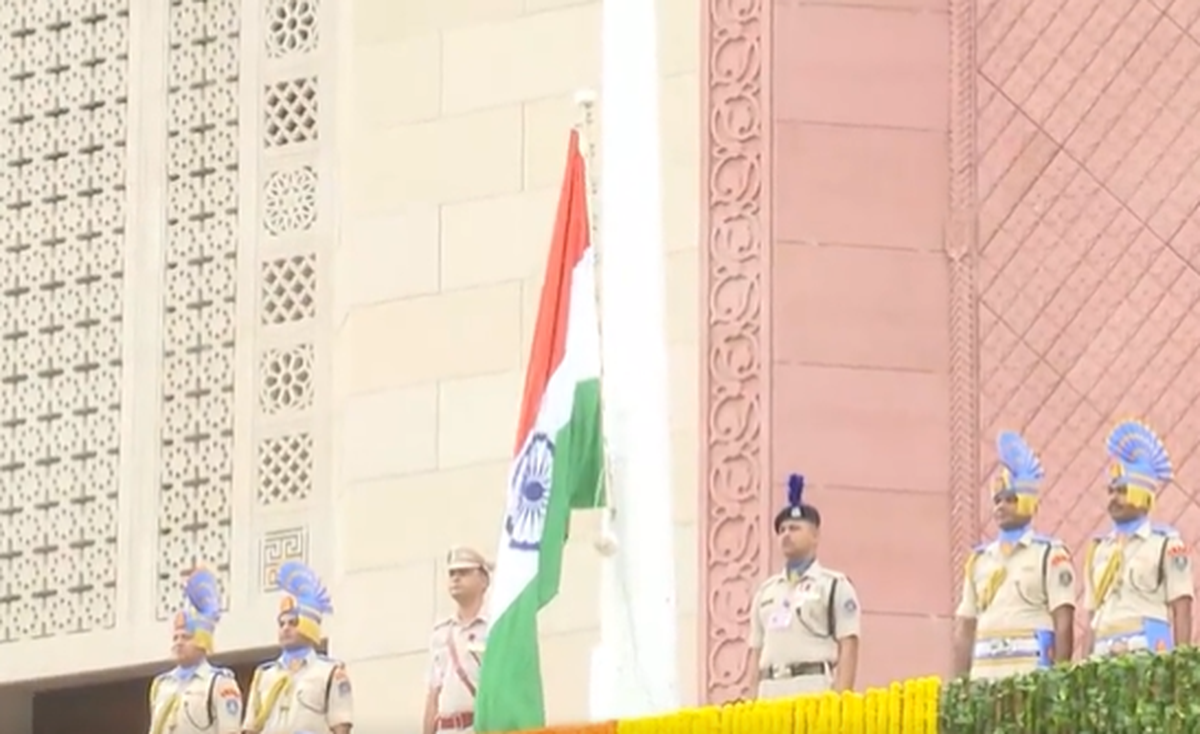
452,122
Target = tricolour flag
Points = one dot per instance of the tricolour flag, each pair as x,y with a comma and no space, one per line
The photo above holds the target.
556,467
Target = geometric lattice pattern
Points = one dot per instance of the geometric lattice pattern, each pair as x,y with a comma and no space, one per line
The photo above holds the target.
200,294
291,27
63,89
285,469
1089,183
290,112
290,201
286,379
288,289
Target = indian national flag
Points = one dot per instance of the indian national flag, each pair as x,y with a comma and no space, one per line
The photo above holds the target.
556,467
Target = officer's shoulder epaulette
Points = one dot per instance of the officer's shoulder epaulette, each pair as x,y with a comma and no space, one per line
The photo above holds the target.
1045,539
442,622
1164,530
223,672
1099,538
328,659
981,547
268,665
162,676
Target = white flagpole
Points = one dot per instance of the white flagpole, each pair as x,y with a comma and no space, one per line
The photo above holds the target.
639,635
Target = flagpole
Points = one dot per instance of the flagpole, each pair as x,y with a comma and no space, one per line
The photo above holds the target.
638,581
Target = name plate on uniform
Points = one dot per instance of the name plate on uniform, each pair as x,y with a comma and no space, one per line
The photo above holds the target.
1014,647
1151,635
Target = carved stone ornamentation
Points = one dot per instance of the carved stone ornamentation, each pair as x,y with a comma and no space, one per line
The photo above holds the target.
736,254
962,253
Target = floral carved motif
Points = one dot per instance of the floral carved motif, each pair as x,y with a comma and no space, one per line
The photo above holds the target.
735,253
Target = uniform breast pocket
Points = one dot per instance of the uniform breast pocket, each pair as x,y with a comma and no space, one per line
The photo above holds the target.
1029,584
195,708
814,615
1144,571
311,694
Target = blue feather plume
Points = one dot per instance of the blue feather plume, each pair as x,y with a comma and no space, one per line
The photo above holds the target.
795,490
203,592
1140,450
301,582
1020,460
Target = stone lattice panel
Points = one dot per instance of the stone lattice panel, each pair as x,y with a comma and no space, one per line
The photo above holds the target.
1088,182
63,88
200,294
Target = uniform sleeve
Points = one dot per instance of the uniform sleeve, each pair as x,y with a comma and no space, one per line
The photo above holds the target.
1060,578
846,612
1089,591
227,704
340,710
968,607
253,702
1178,570
437,661
756,626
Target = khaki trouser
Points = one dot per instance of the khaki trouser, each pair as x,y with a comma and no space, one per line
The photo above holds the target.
784,685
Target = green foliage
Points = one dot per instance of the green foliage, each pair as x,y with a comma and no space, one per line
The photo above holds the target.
1132,694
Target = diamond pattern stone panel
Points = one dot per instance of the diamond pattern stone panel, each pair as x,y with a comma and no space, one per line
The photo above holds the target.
1089,290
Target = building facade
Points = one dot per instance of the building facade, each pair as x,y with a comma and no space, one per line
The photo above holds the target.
270,269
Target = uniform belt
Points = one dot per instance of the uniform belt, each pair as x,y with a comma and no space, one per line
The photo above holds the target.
454,722
794,670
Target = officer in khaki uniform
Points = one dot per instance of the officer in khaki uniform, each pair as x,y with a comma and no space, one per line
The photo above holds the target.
196,697
1139,586
456,647
1018,596
804,622
301,691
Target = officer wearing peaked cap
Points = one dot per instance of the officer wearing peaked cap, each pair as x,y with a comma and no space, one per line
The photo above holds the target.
456,646
1018,595
805,620
196,697
301,691
1139,584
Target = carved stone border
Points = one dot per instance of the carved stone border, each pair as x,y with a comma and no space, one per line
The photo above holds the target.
962,236
735,379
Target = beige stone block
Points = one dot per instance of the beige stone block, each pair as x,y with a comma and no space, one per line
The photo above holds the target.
687,553
685,474
681,119
476,331
477,418
457,507
388,20
683,370
449,159
388,691
392,608
387,257
679,36
497,239
689,662
384,95
537,6
566,668
389,433
682,308
547,127
534,56
681,206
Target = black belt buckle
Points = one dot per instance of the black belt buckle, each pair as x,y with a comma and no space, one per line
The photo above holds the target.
794,670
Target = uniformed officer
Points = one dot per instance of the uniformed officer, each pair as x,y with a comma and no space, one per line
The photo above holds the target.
804,622
456,647
1018,597
196,697
301,691
1139,585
